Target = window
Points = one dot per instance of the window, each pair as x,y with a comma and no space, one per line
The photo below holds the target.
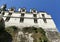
21,19
44,19
10,13
34,15
23,10
35,20
22,14
7,19
43,15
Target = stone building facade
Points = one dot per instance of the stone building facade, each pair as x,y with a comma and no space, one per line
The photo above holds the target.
22,18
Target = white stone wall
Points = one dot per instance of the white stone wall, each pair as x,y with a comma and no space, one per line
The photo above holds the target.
50,25
29,21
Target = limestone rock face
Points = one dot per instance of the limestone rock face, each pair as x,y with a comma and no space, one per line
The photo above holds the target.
53,36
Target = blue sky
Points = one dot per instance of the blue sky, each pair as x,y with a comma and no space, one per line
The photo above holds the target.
50,6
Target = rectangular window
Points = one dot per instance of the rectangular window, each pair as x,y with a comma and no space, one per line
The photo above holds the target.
44,19
10,13
34,15
35,20
22,14
21,19
7,19
43,15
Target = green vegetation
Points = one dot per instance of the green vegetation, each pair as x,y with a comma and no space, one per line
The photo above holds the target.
28,29
12,30
38,34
